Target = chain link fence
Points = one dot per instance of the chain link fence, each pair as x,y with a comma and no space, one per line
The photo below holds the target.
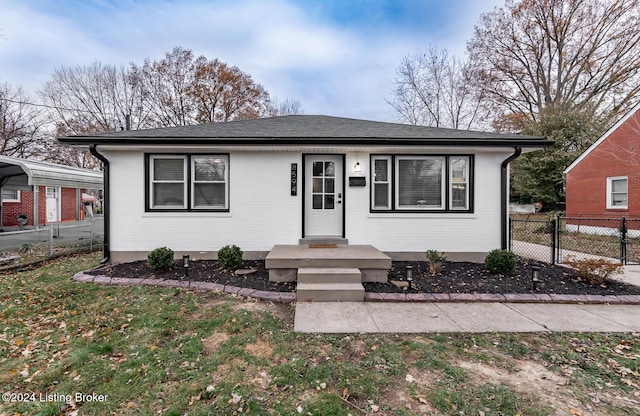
24,247
633,241
581,238
533,238
559,239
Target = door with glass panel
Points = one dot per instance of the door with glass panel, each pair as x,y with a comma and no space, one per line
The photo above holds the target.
323,199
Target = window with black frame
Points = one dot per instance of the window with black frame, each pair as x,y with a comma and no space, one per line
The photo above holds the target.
188,182
419,183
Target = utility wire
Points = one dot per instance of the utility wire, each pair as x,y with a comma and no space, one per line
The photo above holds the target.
54,107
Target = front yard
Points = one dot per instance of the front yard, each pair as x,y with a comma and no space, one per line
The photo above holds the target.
84,349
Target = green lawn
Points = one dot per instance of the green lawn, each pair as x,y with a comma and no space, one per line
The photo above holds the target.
157,351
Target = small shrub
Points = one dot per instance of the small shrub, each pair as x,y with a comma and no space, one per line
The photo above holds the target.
230,257
436,260
25,248
160,258
595,271
501,261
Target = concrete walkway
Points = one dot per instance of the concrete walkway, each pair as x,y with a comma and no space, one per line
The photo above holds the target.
406,317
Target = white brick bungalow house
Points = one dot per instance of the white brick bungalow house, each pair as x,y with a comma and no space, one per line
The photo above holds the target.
288,180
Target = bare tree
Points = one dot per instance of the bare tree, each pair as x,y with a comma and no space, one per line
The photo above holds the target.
434,89
566,55
174,91
181,90
623,147
165,84
225,93
285,108
21,127
95,98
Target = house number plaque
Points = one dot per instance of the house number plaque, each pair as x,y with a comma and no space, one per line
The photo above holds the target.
294,179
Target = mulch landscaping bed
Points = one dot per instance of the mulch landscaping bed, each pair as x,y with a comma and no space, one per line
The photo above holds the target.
456,277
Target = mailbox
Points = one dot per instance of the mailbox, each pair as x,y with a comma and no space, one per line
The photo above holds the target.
357,181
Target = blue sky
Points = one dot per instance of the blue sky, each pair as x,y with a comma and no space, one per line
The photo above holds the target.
337,57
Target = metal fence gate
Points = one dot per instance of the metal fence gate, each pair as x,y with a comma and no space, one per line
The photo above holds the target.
554,240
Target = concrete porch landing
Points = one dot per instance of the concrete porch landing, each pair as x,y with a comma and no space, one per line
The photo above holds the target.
283,261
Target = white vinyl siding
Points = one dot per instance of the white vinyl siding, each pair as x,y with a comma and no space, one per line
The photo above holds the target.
617,192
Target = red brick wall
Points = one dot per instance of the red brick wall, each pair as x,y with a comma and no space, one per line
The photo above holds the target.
618,155
68,204
42,205
10,210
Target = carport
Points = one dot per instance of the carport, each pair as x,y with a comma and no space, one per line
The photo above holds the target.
28,175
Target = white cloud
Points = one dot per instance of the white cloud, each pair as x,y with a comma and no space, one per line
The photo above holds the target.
289,48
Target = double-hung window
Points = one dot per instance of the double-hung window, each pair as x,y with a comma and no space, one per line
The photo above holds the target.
381,199
459,182
188,182
617,192
421,183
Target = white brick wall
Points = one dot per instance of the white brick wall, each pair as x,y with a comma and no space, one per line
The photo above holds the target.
475,232
263,213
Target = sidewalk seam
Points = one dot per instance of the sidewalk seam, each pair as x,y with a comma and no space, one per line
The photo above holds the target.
546,328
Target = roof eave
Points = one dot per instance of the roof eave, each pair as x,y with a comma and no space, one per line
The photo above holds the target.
275,141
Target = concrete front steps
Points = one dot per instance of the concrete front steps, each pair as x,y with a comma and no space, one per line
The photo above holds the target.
329,285
283,261
328,272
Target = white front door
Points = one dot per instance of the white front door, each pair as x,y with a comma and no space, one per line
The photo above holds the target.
53,202
323,196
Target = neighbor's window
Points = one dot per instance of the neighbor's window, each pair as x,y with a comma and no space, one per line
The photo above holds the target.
10,195
188,182
421,183
617,192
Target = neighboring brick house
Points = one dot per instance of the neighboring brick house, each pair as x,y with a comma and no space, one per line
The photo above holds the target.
604,182
58,190
15,203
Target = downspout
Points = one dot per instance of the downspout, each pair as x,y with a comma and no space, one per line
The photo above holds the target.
105,202
504,196
1,185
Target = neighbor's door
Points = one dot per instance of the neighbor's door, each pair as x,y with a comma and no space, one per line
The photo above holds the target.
323,199
53,204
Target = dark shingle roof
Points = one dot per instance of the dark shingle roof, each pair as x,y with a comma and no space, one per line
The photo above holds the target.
306,129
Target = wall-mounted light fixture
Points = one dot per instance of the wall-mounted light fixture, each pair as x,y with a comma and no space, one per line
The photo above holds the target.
357,168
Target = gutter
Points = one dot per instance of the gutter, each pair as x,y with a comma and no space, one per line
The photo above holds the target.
504,196
313,141
105,202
